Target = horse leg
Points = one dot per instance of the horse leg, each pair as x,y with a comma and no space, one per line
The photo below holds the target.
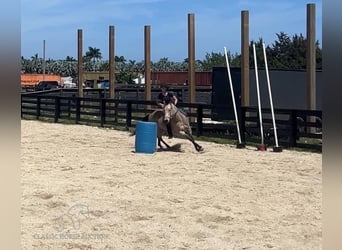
196,145
159,144
160,140
167,145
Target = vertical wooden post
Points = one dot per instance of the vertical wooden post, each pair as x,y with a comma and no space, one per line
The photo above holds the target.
199,129
38,107
44,62
244,58
311,60
111,63
80,62
147,74
78,110
129,114
103,112
191,60
21,106
57,108
293,124
243,124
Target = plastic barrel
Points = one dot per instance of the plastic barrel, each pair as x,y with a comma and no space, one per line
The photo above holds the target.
146,137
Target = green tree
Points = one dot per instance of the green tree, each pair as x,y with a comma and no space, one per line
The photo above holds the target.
258,52
70,59
290,52
93,55
215,59
164,64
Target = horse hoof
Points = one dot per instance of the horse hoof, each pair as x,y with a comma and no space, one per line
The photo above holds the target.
199,149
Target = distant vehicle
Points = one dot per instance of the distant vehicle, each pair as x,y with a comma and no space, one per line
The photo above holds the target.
104,85
46,85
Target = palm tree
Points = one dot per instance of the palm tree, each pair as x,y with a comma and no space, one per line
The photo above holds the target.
36,65
120,63
94,55
70,58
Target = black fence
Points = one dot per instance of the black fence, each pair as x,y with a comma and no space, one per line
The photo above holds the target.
295,128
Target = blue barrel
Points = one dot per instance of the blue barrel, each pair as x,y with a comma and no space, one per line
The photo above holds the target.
146,137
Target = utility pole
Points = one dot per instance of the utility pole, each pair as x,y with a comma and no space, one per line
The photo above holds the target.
43,60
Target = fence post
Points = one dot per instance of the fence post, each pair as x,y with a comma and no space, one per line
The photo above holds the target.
116,106
293,129
69,108
21,106
243,124
199,129
137,97
38,107
103,111
180,95
129,114
78,110
57,108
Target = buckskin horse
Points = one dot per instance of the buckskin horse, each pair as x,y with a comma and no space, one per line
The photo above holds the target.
180,124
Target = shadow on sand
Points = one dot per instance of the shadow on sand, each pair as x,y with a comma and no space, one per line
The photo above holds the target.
173,148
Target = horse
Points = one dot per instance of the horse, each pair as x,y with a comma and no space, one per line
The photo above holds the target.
180,124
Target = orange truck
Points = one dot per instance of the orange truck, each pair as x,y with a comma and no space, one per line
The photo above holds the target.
32,80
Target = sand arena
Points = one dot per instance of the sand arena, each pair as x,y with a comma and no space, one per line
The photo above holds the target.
84,188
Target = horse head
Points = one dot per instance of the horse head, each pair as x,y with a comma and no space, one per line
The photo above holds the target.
169,111
173,110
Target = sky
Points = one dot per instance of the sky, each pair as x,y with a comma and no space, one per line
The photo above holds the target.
217,25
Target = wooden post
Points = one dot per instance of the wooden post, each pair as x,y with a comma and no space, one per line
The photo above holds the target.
44,62
78,110
111,63
38,107
103,111
129,114
311,61
57,108
244,58
147,74
191,61
293,133
80,62
199,130
243,124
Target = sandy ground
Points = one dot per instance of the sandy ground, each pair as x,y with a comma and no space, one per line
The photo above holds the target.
84,188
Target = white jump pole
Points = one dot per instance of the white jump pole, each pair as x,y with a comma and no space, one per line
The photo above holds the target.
276,148
240,144
261,147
